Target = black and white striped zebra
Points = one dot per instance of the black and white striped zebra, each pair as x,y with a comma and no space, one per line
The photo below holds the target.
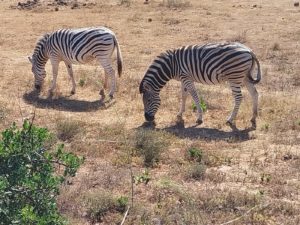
207,64
76,46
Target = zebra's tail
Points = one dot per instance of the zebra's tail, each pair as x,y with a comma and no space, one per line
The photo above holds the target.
119,57
258,76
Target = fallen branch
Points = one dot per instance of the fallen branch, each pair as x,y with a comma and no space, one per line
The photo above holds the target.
125,215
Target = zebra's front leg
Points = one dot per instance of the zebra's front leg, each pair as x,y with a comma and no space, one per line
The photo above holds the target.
253,92
192,90
184,95
71,75
237,95
54,74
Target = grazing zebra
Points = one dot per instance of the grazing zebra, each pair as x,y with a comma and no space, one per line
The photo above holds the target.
76,46
207,64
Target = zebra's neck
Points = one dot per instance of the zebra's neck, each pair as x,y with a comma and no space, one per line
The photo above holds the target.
161,71
40,54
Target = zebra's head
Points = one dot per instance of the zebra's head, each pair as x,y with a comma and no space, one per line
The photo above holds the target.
38,71
38,61
151,101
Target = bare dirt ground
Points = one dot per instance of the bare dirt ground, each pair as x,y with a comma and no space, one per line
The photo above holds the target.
204,175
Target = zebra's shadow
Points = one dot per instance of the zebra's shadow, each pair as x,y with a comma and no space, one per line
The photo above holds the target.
210,134
64,103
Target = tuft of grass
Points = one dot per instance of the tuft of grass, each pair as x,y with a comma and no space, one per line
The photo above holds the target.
101,202
82,82
176,3
196,171
67,129
98,204
125,2
149,144
275,47
240,37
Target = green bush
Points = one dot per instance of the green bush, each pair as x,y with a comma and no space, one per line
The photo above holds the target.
29,182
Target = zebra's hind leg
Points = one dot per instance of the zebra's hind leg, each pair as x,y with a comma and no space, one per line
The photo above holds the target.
109,72
70,72
184,95
237,95
189,85
253,92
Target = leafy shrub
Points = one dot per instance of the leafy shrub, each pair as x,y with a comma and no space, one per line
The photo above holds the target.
29,182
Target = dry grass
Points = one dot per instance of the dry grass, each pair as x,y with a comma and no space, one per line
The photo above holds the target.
227,175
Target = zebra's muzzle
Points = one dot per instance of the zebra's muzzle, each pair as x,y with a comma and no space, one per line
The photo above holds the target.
148,117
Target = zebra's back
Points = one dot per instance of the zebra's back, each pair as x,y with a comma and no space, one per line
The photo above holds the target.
82,45
214,63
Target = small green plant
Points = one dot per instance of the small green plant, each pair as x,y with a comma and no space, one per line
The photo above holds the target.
203,106
29,182
122,203
195,154
143,178
67,129
265,127
149,145
81,82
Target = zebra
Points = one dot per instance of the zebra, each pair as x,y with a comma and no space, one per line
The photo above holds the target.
76,46
212,63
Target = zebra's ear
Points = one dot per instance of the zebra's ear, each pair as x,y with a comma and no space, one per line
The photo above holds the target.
30,59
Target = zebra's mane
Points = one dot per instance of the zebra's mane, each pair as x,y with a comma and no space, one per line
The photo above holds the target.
40,43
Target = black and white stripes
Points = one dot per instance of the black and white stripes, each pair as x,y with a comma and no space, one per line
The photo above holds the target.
76,46
207,64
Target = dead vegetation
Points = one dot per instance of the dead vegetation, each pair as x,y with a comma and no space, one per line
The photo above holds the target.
171,174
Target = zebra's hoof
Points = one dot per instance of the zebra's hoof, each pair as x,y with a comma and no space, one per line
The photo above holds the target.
101,92
72,92
179,119
231,125
111,97
253,123
199,121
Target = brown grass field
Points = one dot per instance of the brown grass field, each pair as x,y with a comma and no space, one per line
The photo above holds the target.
204,174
